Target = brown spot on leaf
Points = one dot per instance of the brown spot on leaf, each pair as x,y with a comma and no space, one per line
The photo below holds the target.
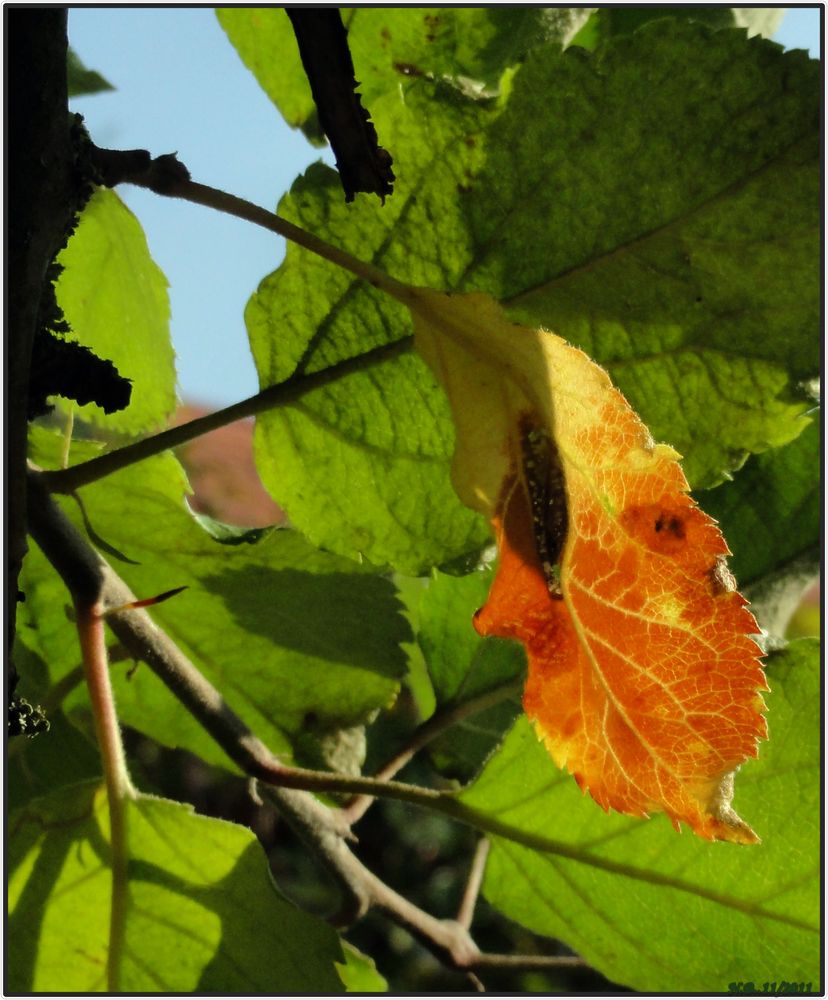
660,528
407,69
671,524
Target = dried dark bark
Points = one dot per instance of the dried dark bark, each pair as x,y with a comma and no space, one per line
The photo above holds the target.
323,45
40,212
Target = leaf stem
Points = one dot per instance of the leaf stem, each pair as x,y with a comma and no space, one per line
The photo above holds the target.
119,788
210,197
287,392
425,733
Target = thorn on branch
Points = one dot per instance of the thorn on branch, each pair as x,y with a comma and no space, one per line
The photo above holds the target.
146,602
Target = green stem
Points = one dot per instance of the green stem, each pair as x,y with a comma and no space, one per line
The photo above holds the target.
119,788
283,394
425,733
202,194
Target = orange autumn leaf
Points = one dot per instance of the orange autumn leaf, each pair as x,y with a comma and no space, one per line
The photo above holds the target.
643,679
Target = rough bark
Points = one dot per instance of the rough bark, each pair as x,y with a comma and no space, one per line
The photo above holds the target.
40,209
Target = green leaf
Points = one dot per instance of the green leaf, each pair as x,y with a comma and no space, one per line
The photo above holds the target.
266,44
470,47
362,466
297,640
82,80
463,668
701,297
658,911
59,757
201,916
609,22
359,973
771,516
48,441
115,299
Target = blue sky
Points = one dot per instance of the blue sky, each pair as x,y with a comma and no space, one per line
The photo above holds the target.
181,87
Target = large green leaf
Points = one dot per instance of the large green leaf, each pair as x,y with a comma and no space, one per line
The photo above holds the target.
201,912
469,46
296,639
690,267
655,910
115,299
655,203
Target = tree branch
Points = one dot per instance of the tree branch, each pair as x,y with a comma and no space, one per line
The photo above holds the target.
88,577
539,963
424,734
119,788
166,175
40,207
465,915
323,46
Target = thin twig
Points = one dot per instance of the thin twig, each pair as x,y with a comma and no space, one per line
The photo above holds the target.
55,696
425,733
135,629
476,983
210,197
85,573
465,915
528,962
283,394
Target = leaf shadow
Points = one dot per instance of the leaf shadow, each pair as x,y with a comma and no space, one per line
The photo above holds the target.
352,619
260,940
57,837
